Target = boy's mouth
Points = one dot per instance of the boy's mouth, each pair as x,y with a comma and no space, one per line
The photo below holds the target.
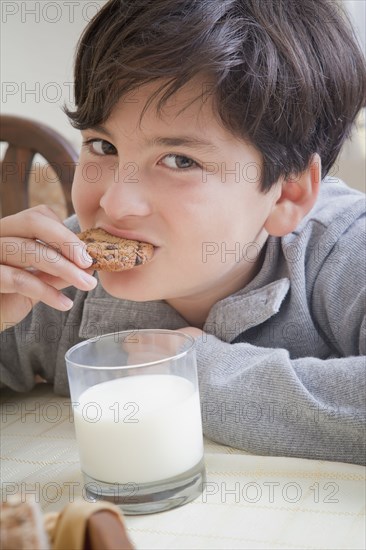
127,234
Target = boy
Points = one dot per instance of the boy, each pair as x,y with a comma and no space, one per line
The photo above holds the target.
208,126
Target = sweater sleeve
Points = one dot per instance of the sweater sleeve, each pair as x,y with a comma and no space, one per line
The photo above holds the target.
262,400
34,346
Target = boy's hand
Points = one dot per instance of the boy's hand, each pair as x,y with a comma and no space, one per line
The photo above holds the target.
39,256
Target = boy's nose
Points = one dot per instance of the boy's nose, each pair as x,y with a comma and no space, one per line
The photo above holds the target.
126,196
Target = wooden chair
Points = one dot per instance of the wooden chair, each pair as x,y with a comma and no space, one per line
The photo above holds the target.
25,139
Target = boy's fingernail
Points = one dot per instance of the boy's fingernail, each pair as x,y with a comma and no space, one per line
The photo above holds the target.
65,301
85,257
89,279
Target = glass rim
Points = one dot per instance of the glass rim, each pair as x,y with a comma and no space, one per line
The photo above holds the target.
187,337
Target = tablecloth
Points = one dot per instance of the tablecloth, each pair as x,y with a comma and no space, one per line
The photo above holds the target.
248,502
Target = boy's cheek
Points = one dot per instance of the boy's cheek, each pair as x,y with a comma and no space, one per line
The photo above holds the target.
80,205
85,198
76,187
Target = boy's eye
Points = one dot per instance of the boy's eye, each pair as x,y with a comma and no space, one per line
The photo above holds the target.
100,147
179,162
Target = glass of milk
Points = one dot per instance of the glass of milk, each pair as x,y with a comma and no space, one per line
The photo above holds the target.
137,418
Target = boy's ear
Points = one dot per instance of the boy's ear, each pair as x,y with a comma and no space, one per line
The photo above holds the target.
295,199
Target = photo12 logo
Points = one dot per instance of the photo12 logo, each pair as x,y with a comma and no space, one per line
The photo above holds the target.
270,492
37,92
49,12
65,492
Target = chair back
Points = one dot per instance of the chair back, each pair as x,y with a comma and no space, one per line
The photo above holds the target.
25,139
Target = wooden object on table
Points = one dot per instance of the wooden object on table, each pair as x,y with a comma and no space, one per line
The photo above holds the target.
83,525
25,139
105,531
79,526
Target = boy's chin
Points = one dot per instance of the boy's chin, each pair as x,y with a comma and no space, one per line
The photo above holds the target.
124,285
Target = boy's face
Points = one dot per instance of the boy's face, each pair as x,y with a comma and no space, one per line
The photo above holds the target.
182,182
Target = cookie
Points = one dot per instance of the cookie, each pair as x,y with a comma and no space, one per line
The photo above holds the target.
111,253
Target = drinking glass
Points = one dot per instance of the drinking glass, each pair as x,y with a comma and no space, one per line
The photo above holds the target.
137,418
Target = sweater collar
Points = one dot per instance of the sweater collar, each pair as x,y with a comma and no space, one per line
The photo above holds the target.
238,313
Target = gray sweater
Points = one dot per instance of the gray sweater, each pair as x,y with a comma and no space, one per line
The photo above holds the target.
281,364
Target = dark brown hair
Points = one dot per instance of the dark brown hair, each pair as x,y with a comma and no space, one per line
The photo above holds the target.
288,75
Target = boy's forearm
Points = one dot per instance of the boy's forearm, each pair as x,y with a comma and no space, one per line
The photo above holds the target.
259,400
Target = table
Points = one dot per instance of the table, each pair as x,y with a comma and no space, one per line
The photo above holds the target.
249,501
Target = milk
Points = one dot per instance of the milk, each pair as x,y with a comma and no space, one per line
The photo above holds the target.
139,429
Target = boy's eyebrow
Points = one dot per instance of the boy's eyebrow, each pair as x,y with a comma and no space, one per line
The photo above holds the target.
188,141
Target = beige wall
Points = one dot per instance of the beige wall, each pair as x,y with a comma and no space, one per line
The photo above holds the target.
351,163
